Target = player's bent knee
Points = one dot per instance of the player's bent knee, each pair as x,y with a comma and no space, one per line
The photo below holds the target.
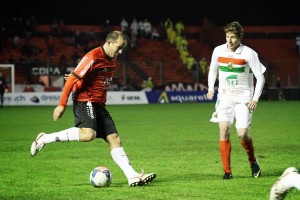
114,140
87,134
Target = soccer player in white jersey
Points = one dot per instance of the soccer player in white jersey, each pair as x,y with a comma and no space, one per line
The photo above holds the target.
289,179
236,65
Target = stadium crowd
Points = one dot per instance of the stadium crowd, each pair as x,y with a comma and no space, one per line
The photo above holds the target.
26,43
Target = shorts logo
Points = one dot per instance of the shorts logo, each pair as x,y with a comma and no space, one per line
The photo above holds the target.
90,110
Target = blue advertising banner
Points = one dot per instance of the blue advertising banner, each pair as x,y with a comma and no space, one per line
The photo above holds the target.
178,97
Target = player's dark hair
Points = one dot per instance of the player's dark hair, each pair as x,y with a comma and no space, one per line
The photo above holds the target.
236,28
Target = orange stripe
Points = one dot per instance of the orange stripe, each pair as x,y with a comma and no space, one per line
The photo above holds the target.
232,60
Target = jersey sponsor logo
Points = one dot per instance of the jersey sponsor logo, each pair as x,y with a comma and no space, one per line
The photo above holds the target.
232,80
107,81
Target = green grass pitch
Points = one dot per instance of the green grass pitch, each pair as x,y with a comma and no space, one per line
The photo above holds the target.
176,141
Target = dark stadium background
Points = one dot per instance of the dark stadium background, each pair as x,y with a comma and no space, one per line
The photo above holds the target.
192,12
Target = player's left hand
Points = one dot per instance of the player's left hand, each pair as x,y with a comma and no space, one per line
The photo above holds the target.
210,94
252,105
58,112
66,76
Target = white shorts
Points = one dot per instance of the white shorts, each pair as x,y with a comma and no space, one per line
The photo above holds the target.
228,111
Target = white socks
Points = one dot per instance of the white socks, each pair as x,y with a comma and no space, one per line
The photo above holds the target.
70,134
120,157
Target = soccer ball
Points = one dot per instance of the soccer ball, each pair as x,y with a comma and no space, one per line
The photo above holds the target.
100,177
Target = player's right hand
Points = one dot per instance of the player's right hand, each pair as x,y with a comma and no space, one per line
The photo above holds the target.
210,94
58,112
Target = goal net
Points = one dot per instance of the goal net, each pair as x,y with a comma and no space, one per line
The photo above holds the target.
8,72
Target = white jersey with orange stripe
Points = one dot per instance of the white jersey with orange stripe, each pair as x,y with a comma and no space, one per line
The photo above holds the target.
236,73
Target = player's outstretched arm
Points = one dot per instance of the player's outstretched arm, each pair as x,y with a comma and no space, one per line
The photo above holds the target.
58,112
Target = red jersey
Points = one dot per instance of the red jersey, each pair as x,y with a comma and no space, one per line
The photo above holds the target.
91,78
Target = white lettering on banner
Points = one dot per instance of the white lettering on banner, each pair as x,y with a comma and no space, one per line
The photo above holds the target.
19,98
188,98
185,87
130,97
7,99
50,98
45,71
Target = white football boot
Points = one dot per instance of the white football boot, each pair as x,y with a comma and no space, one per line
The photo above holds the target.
279,190
141,179
37,144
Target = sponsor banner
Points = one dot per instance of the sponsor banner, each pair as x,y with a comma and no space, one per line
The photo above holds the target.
33,98
129,97
52,98
178,97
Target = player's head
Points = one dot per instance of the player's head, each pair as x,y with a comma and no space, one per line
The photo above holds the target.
115,43
236,28
234,34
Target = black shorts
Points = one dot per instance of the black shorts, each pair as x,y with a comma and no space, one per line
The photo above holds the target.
95,116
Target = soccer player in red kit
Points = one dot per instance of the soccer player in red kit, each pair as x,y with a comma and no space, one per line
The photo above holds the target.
89,83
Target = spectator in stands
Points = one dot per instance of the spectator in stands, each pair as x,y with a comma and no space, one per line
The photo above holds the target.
124,25
171,35
168,24
147,85
203,66
162,30
28,29
3,88
179,27
133,41
141,29
148,28
16,41
192,66
89,83
155,34
178,42
134,27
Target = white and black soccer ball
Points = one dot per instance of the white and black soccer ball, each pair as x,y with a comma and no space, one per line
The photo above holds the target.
100,177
